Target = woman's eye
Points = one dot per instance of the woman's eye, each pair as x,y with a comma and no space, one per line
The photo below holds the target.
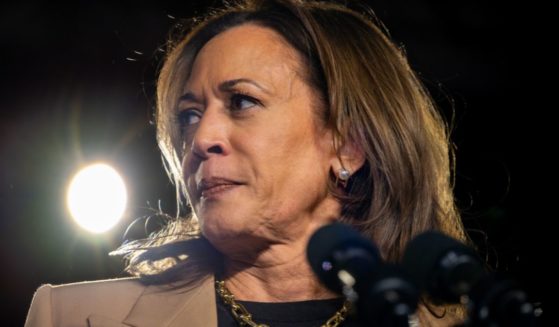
188,117
242,101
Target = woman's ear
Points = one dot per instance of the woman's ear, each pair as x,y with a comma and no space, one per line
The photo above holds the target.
349,158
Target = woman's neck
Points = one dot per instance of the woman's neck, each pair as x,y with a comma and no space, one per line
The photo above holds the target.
274,267
282,274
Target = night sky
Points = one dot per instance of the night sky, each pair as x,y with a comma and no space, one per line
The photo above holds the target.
77,86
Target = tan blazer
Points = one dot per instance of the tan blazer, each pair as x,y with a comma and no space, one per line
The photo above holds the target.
122,302
126,302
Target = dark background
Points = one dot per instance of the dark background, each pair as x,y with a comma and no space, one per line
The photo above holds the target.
77,85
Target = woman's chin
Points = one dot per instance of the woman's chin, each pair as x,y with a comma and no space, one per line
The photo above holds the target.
233,238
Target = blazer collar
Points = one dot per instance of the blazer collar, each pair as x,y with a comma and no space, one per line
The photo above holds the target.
158,306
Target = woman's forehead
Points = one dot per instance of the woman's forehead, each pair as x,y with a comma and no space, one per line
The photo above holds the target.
247,51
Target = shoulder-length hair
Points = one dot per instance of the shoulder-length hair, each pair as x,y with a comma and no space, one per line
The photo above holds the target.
372,99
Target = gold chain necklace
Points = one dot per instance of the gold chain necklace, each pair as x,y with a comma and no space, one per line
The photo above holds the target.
244,318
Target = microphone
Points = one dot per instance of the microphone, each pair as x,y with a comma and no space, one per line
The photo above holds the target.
443,267
350,264
450,272
342,259
499,303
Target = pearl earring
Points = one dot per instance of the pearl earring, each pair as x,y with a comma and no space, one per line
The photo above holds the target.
343,177
344,174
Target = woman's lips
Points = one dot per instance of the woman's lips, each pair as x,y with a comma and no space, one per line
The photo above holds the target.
209,188
217,190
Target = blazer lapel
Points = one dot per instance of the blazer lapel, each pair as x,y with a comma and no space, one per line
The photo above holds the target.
159,307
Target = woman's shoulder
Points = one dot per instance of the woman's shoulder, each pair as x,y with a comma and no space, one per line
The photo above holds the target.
72,304
119,287
114,301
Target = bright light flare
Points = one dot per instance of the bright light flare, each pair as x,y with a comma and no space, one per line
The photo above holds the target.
97,197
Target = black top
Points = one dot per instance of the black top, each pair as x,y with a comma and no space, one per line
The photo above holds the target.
312,313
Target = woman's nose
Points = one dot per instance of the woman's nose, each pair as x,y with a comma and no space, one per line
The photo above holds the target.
210,138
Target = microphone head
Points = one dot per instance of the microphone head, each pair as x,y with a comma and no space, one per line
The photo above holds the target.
338,247
391,299
496,302
443,267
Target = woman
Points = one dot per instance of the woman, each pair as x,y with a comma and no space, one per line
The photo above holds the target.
276,117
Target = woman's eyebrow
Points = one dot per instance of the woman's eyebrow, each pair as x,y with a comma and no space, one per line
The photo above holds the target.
228,85
190,97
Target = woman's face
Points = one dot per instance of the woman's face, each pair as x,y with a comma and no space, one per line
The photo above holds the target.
257,160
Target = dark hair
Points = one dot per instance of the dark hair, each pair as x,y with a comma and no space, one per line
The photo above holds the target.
372,99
